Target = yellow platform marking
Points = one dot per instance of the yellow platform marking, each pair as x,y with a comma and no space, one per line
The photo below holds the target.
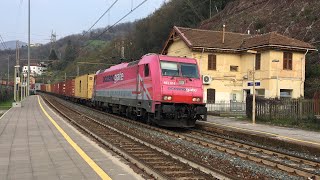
91,163
263,132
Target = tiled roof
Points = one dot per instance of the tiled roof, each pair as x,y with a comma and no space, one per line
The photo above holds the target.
212,39
274,38
199,38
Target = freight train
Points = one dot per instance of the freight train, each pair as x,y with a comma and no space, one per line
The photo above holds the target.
162,90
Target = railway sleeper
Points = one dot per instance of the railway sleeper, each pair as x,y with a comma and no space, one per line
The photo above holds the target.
146,155
182,173
171,168
298,172
152,158
124,145
165,166
133,149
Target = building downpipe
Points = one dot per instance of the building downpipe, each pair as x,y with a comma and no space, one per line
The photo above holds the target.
223,32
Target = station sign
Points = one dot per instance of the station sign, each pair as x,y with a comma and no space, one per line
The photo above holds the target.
17,80
251,83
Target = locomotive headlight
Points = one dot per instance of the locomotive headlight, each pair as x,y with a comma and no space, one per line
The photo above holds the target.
167,98
195,99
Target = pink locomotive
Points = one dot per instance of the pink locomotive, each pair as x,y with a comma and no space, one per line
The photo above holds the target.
163,90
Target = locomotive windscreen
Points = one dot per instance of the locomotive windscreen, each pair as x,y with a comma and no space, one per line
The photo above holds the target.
174,69
189,70
169,68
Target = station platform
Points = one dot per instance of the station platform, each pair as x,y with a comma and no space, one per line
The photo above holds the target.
294,135
36,143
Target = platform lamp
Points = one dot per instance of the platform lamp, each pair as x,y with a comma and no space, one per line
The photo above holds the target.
277,69
254,86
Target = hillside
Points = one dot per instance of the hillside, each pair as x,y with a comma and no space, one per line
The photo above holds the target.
297,19
12,45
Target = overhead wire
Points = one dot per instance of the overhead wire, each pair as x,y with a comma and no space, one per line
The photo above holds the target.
132,10
110,27
100,17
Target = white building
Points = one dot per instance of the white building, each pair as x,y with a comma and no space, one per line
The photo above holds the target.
35,70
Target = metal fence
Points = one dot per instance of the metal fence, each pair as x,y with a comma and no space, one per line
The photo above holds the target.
226,108
289,109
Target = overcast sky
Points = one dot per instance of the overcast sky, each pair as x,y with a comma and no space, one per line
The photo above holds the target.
65,17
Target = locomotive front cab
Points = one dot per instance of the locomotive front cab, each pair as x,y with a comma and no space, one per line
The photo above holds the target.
181,93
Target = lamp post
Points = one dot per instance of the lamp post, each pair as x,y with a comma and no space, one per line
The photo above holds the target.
277,69
254,86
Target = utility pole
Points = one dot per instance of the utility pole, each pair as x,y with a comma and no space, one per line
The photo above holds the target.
277,70
210,10
28,76
254,86
16,78
122,51
8,70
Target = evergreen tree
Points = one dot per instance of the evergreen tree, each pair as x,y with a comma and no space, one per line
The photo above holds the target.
53,55
70,52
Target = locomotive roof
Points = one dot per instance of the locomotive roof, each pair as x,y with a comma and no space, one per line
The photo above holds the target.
124,65
115,67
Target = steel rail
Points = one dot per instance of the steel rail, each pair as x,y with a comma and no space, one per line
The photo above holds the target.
150,170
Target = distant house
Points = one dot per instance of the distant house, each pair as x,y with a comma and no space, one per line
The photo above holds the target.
226,62
35,69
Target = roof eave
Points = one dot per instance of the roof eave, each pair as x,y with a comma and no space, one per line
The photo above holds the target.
279,46
214,48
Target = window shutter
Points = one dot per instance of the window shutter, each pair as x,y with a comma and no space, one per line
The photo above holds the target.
209,62
290,60
258,61
285,62
212,62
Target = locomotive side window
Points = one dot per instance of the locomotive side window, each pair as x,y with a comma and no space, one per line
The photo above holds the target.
169,69
146,70
189,70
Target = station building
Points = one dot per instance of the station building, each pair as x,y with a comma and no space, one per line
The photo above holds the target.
229,60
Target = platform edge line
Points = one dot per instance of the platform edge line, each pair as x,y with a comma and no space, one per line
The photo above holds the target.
5,113
84,156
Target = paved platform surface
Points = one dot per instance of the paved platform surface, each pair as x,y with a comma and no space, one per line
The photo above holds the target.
290,134
31,147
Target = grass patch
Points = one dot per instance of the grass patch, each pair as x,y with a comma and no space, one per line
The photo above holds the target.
4,105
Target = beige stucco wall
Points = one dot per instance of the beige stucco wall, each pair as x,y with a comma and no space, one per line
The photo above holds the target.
227,83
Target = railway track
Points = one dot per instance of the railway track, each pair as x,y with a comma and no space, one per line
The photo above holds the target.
286,162
157,162
291,164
